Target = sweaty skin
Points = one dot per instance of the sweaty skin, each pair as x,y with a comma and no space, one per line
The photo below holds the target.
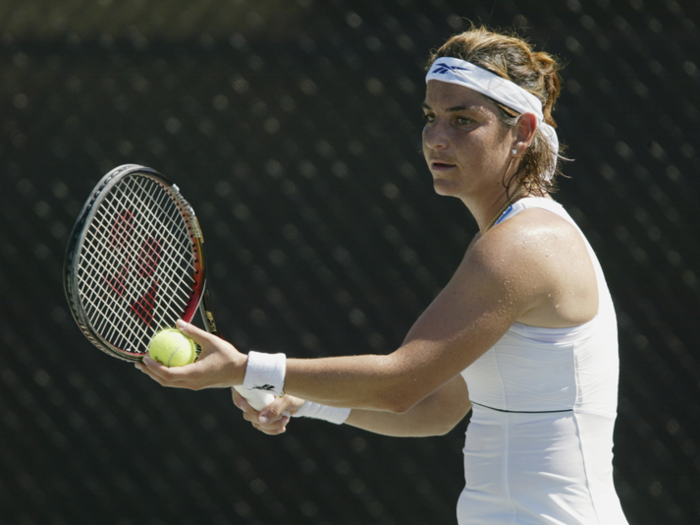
516,272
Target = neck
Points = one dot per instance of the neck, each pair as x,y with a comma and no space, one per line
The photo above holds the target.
493,202
490,214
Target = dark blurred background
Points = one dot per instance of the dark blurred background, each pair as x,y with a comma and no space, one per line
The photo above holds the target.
293,126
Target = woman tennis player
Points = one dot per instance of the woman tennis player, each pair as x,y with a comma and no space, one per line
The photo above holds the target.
526,322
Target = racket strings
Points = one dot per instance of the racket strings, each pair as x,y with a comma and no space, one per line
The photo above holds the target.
106,307
160,217
137,275
142,301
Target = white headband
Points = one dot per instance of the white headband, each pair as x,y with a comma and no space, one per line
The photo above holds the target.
460,72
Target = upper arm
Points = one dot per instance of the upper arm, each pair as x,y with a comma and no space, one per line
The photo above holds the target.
499,279
512,272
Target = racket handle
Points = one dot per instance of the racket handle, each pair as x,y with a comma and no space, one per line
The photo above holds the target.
256,398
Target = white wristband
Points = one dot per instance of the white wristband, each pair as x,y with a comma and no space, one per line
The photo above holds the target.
315,411
265,372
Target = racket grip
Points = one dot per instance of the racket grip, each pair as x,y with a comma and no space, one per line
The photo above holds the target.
257,398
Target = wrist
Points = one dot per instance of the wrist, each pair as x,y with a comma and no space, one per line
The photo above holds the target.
265,372
334,415
240,364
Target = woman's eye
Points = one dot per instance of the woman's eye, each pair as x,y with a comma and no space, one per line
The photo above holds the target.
429,117
463,120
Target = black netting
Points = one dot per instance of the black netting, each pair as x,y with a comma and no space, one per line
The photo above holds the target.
293,127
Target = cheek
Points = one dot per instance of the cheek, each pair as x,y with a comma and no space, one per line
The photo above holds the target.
492,150
424,144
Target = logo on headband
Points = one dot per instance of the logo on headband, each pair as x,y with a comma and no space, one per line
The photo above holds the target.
441,68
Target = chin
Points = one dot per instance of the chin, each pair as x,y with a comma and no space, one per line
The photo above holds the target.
445,188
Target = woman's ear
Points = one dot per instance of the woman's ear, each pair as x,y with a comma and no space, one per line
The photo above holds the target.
524,132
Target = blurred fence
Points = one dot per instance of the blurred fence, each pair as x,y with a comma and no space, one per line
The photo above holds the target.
294,129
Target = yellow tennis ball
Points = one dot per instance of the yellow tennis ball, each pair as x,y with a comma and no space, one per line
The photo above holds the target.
170,347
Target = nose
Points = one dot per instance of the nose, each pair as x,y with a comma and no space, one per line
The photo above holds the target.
434,136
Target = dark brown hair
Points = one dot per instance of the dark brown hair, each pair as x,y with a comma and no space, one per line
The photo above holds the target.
513,58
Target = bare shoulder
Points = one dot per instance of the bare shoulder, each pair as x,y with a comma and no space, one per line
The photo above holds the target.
528,237
530,232
544,261
529,269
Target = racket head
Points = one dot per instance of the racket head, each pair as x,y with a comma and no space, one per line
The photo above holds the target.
134,263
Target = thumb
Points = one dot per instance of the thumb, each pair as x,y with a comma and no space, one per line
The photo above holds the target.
275,410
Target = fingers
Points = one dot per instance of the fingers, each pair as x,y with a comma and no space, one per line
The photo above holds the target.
275,410
174,377
220,364
178,377
279,427
274,422
258,399
271,429
238,399
195,333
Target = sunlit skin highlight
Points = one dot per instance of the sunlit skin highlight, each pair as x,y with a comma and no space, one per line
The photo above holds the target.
533,269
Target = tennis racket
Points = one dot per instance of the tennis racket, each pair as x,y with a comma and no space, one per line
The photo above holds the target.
134,265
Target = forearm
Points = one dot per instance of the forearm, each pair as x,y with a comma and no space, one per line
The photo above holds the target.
438,346
370,382
435,415
417,422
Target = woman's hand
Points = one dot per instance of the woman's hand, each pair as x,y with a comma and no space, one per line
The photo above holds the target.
273,419
220,364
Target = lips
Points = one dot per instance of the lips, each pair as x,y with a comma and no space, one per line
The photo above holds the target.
440,165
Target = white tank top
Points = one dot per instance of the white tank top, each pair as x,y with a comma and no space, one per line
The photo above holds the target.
535,369
538,449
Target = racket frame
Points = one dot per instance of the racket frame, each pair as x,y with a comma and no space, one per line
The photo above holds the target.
75,247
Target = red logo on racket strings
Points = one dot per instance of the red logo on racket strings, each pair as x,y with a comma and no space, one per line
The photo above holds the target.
117,282
149,256
122,227
148,259
120,235
143,307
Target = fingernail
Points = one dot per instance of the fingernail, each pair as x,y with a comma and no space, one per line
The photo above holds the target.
263,419
181,324
243,406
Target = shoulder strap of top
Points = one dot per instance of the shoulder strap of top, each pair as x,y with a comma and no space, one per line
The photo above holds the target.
535,202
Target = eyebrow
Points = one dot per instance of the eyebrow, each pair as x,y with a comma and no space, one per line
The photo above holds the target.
453,109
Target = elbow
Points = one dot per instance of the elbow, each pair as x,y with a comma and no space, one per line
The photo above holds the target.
398,402
451,419
399,407
444,428
399,390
